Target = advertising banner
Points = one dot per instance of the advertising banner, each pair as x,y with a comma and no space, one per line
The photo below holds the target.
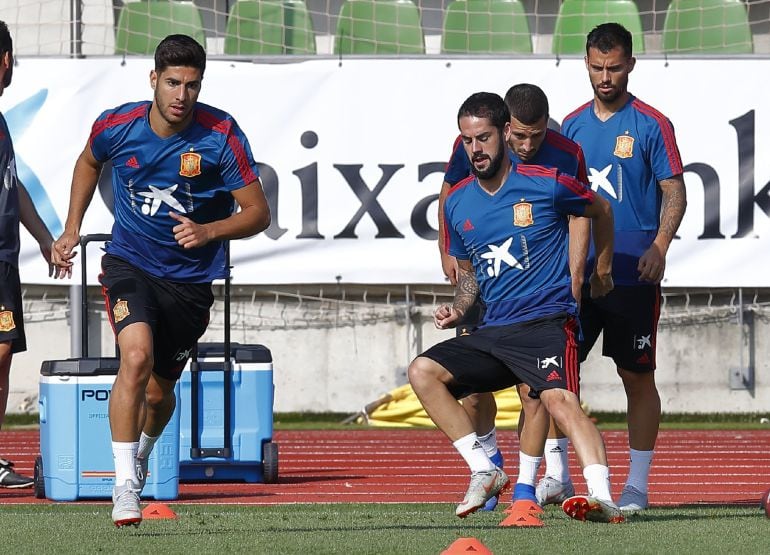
352,155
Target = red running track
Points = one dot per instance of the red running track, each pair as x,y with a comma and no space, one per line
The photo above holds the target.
420,466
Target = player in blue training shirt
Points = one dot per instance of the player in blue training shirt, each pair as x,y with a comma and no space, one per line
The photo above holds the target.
634,163
507,227
178,166
532,143
15,207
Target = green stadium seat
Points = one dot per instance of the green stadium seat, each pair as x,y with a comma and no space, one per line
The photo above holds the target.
269,27
577,18
486,26
379,27
142,25
707,27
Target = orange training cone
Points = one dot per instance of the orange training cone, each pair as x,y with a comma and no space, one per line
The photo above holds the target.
522,519
524,505
158,511
467,545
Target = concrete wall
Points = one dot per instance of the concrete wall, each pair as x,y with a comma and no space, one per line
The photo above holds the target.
339,351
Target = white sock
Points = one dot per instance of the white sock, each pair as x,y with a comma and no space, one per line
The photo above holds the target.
528,467
489,442
124,454
557,458
471,450
639,469
146,443
598,481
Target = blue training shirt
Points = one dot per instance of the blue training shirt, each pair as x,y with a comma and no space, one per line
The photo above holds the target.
515,240
627,156
191,173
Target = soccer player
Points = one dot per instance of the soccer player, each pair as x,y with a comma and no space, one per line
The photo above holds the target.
178,166
532,143
634,163
507,228
15,206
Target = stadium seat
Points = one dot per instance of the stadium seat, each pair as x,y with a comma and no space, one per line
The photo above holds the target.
576,18
486,26
269,27
379,27
142,25
707,27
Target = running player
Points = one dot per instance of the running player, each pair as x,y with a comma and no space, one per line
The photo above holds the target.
178,167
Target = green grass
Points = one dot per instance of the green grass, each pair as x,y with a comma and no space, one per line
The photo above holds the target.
377,529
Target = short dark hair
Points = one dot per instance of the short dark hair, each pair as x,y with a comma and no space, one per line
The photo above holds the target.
6,42
607,36
527,103
486,105
180,50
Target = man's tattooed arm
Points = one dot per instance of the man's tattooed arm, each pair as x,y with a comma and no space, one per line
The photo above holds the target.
467,288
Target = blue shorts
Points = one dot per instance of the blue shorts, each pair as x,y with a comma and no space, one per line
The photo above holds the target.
11,315
628,316
541,353
177,313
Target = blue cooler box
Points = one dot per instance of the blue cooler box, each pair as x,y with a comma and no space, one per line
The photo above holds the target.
75,443
251,455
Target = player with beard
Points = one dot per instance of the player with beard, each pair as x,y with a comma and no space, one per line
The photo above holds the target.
531,142
507,227
635,164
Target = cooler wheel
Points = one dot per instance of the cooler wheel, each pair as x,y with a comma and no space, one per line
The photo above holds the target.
270,462
38,477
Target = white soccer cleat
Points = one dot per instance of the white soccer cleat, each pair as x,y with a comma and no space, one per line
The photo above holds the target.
483,487
126,510
551,491
581,507
632,500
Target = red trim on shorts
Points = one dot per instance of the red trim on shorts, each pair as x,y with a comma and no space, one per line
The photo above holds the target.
107,308
571,363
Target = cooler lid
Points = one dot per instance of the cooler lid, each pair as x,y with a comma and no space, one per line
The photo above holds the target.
80,367
239,352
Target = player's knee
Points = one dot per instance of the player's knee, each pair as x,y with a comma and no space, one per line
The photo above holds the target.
136,361
422,372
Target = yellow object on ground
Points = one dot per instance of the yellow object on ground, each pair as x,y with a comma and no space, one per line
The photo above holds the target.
401,409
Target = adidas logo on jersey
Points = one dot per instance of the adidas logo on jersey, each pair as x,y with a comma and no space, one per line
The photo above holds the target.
468,226
553,376
132,162
644,359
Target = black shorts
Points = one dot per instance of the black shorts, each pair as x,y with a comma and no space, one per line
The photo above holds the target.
177,313
11,315
628,316
541,353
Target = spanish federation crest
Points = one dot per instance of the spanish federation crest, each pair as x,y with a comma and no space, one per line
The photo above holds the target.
624,146
120,311
190,164
6,321
522,214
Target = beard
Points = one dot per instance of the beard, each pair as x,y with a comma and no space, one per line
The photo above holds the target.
493,167
609,97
